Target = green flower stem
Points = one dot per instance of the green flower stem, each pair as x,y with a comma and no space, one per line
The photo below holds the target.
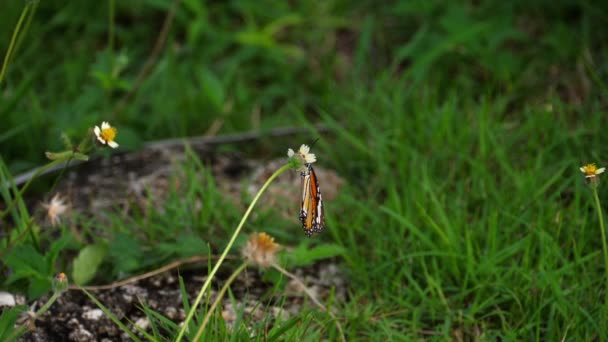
67,164
218,299
13,41
604,247
24,188
223,256
21,329
26,27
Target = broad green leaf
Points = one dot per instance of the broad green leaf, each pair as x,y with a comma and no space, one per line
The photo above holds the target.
26,262
87,262
126,253
185,246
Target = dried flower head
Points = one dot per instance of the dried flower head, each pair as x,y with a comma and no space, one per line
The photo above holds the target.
106,134
55,208
260,249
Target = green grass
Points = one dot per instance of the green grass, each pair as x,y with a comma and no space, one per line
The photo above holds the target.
459,130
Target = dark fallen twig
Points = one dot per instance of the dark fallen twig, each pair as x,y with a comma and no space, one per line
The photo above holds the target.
134,279
192,141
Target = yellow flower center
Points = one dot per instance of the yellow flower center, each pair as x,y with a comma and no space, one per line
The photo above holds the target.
108,134
590,169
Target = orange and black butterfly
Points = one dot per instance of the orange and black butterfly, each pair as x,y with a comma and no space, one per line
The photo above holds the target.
311,212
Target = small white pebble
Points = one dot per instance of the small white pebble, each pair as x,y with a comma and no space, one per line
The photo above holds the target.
171,312
81,334
92,315
143,323
7,299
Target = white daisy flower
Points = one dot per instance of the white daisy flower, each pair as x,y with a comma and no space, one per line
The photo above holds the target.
304,154
591,170
106,134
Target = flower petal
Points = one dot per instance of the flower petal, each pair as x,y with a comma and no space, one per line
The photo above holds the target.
600,170
310,158
304,149
290,153
112,144
105,125
97,131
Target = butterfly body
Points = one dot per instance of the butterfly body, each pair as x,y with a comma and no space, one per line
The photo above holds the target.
312,215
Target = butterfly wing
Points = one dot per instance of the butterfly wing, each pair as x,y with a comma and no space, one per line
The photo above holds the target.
311,212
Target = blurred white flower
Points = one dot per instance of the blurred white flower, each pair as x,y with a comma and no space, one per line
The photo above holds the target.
55,208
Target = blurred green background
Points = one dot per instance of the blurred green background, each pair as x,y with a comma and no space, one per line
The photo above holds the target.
255,64
459,128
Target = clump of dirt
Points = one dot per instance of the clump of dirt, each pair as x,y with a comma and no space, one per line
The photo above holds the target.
74,317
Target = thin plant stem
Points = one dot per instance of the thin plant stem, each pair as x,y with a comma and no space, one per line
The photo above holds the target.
312,297
111,15
13,41
58,178
218,299
21,329
223,256
605,250
26,28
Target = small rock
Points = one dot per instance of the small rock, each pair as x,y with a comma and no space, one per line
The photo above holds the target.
7,299
92,315
143,323
171,312
278,312
81,335
228,314
157,282
132,291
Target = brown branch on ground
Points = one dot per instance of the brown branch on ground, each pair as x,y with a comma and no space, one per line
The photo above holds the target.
134,279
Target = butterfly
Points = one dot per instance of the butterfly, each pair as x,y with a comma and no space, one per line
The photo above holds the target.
311,212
